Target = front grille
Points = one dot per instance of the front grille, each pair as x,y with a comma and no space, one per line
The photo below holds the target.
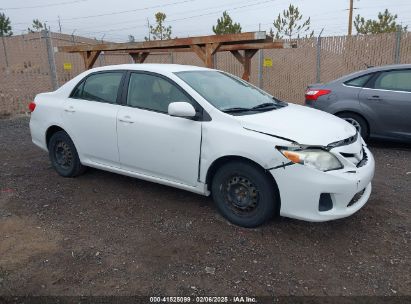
356,198
364,159
357,159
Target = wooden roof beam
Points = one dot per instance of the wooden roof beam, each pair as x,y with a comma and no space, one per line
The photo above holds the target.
171,43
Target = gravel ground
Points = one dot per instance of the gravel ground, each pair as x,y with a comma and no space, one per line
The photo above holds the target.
106,234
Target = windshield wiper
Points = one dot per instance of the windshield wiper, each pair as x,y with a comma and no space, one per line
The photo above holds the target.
236,109
265,106
261,107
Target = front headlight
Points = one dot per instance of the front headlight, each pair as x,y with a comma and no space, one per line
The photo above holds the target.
314,158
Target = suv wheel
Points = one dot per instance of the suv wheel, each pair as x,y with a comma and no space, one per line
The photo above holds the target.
244,194
63,155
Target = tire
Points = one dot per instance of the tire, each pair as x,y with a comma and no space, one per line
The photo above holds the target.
358,122
244,194
63,155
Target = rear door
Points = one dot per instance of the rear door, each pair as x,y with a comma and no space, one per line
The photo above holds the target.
90,117
388,96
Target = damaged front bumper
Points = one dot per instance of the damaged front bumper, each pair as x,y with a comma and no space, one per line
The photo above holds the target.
313,195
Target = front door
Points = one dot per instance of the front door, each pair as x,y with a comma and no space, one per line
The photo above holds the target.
389,98
150,141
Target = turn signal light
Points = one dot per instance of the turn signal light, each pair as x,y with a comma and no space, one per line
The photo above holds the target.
294,157
313,94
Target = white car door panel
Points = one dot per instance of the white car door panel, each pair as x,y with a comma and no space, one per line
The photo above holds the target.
90,118
159,145
93,128
152,142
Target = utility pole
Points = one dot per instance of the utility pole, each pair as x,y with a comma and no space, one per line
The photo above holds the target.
148,26
59,21
260,64
350,17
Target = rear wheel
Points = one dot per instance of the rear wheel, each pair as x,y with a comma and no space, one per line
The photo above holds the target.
63,155
357,121
244,194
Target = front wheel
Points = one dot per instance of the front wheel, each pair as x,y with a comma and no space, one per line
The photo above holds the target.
63,155
244,194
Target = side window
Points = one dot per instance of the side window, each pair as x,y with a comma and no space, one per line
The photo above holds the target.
359,81
78,91
399,80
153,92
101,87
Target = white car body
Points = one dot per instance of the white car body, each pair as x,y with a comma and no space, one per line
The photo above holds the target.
179,152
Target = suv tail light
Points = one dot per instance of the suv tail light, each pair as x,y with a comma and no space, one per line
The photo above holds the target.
32,106
313,94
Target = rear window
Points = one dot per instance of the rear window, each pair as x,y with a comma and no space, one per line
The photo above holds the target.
101,87
359,81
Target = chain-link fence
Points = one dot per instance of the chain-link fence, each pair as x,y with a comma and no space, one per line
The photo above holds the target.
29,64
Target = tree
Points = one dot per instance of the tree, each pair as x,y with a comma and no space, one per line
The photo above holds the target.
37,26
5,30
131,38
386,23
225,25
5,26
159,31
290,24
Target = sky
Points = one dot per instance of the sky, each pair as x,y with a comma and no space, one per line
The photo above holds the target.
115,20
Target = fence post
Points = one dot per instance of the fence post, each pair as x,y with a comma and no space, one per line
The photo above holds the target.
5,51
260,68
171,55
318,65
397,45
50,56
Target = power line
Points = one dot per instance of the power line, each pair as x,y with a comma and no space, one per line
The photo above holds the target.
129,11
178,13
119,12
42,5
185,18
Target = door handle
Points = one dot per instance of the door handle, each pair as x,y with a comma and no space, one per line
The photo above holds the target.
374,97
69,109
126,119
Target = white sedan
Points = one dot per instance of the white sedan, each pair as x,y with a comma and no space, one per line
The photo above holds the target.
208,132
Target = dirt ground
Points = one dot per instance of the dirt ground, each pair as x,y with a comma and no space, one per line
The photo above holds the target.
106,234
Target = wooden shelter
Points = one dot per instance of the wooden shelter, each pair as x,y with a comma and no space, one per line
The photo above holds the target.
243,46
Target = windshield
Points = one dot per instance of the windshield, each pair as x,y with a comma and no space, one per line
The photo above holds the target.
228,93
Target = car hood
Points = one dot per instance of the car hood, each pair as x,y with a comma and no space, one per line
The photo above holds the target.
300,124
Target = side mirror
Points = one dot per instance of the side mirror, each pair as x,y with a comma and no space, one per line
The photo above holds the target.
181,109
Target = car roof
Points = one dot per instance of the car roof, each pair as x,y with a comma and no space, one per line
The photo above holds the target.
151,67
371,70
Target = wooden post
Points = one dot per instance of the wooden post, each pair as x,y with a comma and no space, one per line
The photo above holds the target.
248,54
139,57
206,53
245,60
211,49
90,58
199,51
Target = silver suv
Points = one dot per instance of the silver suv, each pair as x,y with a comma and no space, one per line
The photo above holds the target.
377,101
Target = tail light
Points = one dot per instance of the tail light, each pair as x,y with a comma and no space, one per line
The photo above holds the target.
32,106
313,94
